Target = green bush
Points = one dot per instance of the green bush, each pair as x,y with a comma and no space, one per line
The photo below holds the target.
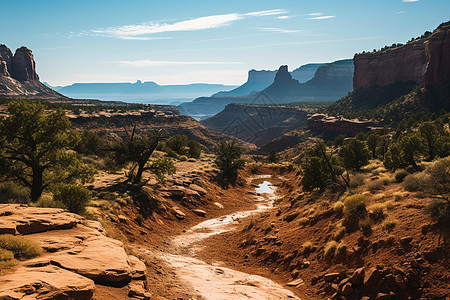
161,167
354,154
74,197
389,225
11,192
194,149
439,211
366,226
229,159
21,247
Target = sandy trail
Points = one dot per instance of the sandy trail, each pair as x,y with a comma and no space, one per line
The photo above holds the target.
212,281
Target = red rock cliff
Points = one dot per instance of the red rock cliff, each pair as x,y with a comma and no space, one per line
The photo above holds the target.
424,61
24,65
438,56
405,63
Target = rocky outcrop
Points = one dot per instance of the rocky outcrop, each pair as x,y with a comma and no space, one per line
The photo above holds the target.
18,77
7,58
24,65
324,123
402,64
78,255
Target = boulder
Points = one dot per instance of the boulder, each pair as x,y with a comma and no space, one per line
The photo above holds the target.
330,277
199,212
138,268
45,282
372,277
19,218
178,213
198,189
136,289
99,258
191,194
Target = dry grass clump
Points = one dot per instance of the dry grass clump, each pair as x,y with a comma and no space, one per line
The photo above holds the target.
374,164
398,196
330,250
355,204
374,185
399,175
338,207
378,171
389,224
7,259
21,247
376,212
307,248
366,226
303,221
338,233
413,182
341,250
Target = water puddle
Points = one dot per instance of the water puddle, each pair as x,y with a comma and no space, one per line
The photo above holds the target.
215,282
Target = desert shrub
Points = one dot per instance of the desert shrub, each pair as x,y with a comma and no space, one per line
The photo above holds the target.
229,159
355,204
354,154
91,143
11,192
178,144
161,167
307,248
400,175
376,212
7,259
366,226
303,221
194,149
330,250
20,246
74,197
183,158
338,207
48,201
374,185
356,180
413,182
389,224
389,205
439,211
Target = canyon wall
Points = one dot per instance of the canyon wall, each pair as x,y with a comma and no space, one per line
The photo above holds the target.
423,61
402,64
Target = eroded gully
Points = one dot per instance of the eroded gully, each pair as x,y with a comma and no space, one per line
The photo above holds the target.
212,281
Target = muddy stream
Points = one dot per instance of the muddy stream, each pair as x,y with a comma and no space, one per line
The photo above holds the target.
212,281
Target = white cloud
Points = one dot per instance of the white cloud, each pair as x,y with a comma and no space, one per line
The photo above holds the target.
137,38
321,18
316,14
401,12
280,30
201,23
267,12
283,17
153,63
410,0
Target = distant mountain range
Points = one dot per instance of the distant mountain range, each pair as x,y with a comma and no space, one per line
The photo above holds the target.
331,81
259,80
140,92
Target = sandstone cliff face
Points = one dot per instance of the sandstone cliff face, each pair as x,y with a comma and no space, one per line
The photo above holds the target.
402,64
438,57
7,58
24,65
424,61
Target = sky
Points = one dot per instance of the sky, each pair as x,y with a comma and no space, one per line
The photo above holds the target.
196,41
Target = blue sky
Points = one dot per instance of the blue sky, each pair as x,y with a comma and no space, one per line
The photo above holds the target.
179,42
